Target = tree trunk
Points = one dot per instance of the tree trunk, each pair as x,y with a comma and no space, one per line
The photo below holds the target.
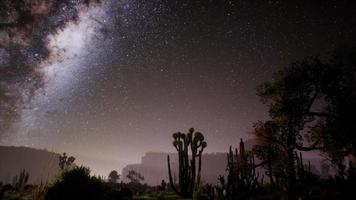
291,175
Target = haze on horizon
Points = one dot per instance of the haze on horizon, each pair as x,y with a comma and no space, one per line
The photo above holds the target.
117,78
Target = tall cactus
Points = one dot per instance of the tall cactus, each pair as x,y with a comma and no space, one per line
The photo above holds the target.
189,176
242,179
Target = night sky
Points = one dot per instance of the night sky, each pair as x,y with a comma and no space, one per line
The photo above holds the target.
107,81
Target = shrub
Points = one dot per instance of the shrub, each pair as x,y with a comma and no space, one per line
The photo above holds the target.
76,184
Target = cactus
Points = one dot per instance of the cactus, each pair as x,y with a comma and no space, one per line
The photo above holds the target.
242,179
189,176
19,182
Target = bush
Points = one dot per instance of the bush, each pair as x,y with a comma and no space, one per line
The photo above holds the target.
77,184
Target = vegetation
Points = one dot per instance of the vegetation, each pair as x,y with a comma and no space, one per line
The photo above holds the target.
242,180
113,176
76,184
19,182
39,192
135,177
310,104
65,162
189,176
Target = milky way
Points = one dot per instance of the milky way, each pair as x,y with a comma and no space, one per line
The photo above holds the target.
30,31
107,81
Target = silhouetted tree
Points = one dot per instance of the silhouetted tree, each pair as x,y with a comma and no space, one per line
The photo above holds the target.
189,176
65,162
113,176
271,147
336,128
310,104
163,185
77,184
135,177
291,97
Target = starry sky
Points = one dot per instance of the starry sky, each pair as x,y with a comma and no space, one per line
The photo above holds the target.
107,81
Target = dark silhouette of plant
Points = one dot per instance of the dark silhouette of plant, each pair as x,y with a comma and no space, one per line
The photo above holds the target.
39,191
310,104
125,193
65,162
4,189
271,148
189,176
210,191
163,186
113,176
242,180
20,181
290,98
135,177
77,184
336,128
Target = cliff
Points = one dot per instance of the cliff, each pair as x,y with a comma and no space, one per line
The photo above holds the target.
41,164
153,167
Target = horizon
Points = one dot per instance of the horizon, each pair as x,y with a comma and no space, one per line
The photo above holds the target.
104,171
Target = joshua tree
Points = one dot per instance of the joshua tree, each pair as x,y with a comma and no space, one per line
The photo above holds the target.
65,161
189,176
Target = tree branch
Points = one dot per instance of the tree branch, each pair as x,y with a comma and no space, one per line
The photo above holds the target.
310,148
318,114
260,164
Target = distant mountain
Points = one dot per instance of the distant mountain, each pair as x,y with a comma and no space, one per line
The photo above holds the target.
41,164
153,167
